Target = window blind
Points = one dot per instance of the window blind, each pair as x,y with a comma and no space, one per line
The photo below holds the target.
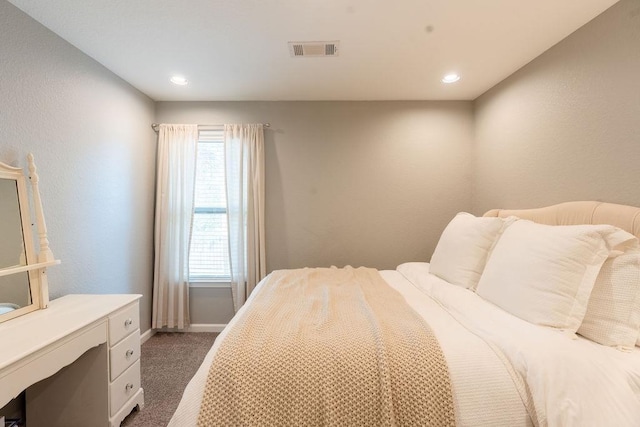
209,252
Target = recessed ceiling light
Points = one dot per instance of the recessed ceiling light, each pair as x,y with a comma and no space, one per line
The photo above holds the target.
179,80
451,78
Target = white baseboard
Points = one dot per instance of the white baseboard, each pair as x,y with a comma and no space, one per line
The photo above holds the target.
146,335
207,327
196,327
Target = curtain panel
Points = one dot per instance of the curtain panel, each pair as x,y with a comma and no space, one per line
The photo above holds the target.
176,171
244,164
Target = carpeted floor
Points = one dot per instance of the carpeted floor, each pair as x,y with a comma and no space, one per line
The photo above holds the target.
168,362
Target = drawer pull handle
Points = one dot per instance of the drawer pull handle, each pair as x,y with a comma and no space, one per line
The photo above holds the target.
128,387
129,353
128,323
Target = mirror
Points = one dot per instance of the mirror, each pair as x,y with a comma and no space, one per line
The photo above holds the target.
23,284
12,249
14,292
14,289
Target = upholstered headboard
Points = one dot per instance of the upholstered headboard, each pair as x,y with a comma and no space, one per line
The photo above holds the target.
573,213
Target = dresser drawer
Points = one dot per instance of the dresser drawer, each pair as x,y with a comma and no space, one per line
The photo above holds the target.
123,354
125,387
123,322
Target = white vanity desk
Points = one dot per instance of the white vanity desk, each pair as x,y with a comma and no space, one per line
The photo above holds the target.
92,345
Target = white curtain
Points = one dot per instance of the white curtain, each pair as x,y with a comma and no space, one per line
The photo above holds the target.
244,165
176,164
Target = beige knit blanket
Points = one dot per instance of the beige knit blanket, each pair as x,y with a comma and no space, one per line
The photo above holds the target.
328,347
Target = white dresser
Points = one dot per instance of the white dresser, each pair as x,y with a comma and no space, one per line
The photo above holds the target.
78,360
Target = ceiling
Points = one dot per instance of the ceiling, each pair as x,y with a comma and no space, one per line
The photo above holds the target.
237,49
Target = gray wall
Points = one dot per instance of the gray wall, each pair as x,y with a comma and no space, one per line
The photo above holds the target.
89,132
567,125
359,183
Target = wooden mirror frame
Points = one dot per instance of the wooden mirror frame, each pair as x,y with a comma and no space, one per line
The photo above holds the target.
36,263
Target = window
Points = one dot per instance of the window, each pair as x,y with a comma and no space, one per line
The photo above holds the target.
209,254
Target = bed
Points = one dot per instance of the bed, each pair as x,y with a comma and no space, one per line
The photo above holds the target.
510,359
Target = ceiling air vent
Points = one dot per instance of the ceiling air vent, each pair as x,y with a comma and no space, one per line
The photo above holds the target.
301,49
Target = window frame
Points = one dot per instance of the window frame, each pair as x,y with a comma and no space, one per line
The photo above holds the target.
206,281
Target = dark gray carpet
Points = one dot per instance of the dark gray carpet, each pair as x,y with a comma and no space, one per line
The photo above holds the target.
168,361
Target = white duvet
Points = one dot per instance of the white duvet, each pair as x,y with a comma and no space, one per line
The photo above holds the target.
571,381
504,371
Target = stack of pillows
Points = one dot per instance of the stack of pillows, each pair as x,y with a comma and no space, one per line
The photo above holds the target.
581,278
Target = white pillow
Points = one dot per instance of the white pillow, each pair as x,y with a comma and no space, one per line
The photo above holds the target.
613,312
461,252
544,273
